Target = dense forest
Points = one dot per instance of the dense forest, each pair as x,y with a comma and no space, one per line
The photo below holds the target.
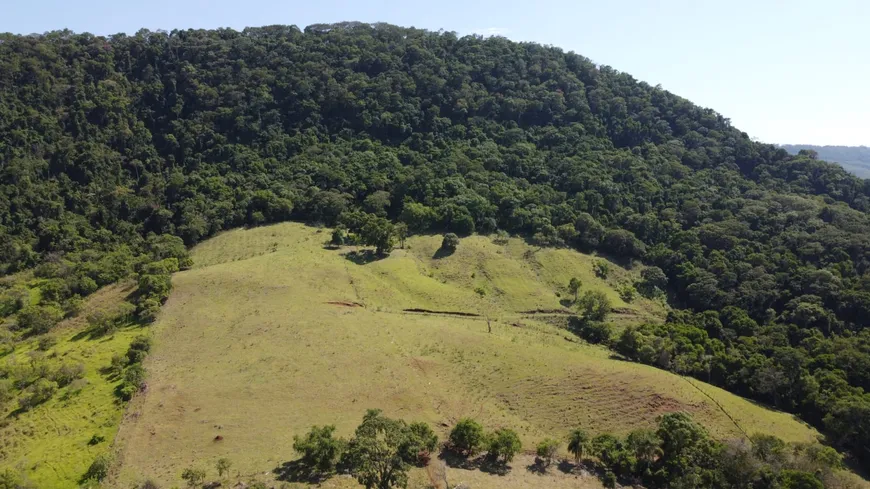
856,159
118,151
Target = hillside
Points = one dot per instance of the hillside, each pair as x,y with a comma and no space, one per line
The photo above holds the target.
855,159
271,333
119,153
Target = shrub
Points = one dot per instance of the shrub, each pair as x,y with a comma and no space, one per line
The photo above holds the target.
68,372
547,449
594,305
609,479
193,476
503,444
601,268
39,319
450,242
467,436
422,441
319,449
46,343
223,466
99,468
38,392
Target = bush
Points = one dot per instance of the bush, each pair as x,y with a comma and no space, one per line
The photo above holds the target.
68,372
546,450
503,444
38,392
467,436
46,343
601,268
39,319
99,468
592,331
594,305
450,242
422,441
193,476
319,449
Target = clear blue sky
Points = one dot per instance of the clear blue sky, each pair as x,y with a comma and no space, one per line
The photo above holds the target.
790,71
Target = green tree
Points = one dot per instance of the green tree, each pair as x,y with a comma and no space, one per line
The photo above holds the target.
547,450
467,436
320,450
594,305
39,319
450,242
503,445
376,453
574,288
577,442
645,445
99,468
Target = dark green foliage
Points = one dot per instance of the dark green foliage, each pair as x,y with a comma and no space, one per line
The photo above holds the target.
423,442
39,319
99,468
378,454
574,286
319,449
594,305
450,242
467,436
577,443
592,331
503,445
159,140
855,159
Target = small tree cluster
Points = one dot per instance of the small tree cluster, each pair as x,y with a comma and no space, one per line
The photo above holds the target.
468,438
378,455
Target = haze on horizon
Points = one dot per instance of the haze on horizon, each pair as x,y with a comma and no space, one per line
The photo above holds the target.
782,71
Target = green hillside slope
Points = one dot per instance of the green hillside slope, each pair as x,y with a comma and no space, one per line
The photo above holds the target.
271,333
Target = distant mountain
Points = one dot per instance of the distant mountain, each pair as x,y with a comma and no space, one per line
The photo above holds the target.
855,159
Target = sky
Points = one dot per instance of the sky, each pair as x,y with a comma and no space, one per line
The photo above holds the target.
790,71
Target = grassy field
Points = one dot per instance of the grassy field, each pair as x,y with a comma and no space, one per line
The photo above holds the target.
49,444
271,332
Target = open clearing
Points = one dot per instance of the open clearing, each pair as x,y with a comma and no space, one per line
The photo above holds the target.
271,332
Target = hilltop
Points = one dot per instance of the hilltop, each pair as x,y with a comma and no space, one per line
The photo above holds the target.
855,159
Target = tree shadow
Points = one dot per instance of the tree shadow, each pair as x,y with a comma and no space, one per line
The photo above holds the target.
443,253
296,471
491,465
537,467
567,467
363,257
457,461
568,303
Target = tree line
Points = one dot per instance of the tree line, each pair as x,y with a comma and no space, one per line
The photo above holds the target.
117,152
677,453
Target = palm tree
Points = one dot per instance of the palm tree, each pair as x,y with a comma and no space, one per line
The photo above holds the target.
577,441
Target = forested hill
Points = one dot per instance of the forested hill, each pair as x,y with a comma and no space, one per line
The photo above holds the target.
856,159
112,146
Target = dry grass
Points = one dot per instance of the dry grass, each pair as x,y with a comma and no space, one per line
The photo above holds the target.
262,339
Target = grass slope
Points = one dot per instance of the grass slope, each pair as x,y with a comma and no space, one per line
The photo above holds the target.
49,444
264,338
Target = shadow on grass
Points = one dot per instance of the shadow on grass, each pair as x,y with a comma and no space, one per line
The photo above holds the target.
482,463
363,257
443,253
295,471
